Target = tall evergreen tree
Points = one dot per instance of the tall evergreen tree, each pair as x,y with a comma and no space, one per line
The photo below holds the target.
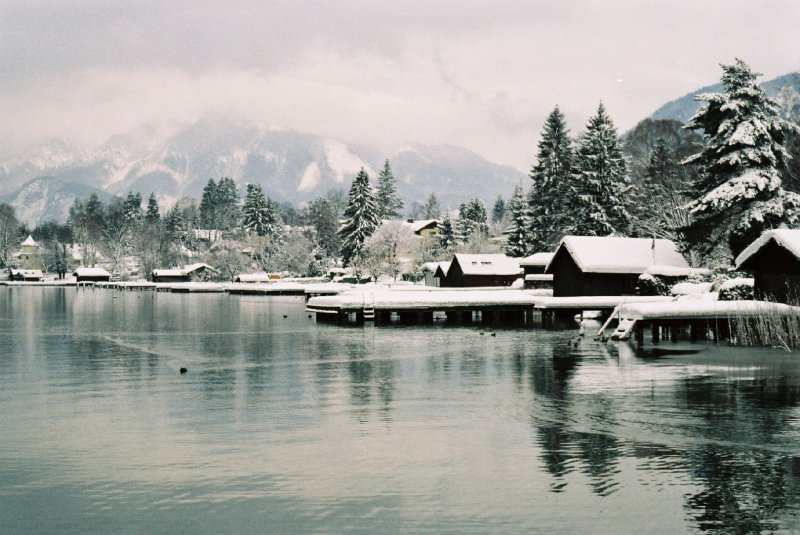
431,208
153,214
739,191
551,191
133,208
360,218
517,243
446,235
255,211
499,210
600,180
471,219
219,204
389,203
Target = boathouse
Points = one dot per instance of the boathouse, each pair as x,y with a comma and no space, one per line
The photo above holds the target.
774,261
255,278
26,275
476,270
607,265
189,273
533,268
440,275
91,274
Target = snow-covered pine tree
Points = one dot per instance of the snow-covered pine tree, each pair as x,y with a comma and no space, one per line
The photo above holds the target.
600,182
152,215
446,235
390,205
132,208
255,211
550,194
519,221
274,225
739,191
360,217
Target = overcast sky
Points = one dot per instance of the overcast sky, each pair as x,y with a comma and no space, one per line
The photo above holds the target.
483,75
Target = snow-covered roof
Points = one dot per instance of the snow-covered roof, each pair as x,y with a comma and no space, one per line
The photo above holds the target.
27,272
611,254
169,272
789,239
487,264
537,259
676,271
91,272
421,224
253,277
539,277
195,267
430,266
445,267
29,242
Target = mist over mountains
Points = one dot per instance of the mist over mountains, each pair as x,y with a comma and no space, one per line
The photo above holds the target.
291,166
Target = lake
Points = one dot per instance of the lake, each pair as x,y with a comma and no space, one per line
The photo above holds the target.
282,425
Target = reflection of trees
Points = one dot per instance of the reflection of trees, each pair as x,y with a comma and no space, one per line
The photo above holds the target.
549,378
744,490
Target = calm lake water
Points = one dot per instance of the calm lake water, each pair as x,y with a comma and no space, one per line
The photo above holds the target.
285,426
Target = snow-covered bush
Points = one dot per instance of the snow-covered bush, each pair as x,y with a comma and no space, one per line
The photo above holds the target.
738,289
652,285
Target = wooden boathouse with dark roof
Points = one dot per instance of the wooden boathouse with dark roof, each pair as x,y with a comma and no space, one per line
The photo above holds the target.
598,265
774,261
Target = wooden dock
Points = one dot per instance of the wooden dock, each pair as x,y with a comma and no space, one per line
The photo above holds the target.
692,319
495,306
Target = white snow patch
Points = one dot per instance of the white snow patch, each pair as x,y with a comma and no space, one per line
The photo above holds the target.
310,178
341,161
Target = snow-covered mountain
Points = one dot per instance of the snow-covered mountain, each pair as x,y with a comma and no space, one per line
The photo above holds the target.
683,108
291,166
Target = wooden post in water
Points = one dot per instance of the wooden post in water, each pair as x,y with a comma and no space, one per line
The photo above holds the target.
639,328
673,333
655,332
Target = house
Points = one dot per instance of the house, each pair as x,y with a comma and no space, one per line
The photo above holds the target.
27,275
533,267
440,275
424,227
187,274
29,256
91,274
607,265
774,260
430,270
474,270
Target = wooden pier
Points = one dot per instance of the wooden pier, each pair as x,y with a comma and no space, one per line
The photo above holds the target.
497,306
692,320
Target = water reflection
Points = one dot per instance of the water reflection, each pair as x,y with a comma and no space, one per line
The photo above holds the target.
312,428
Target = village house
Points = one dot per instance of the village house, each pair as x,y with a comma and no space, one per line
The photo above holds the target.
597,265
533,267
774,261
91,274
187,274
29,256
475,270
